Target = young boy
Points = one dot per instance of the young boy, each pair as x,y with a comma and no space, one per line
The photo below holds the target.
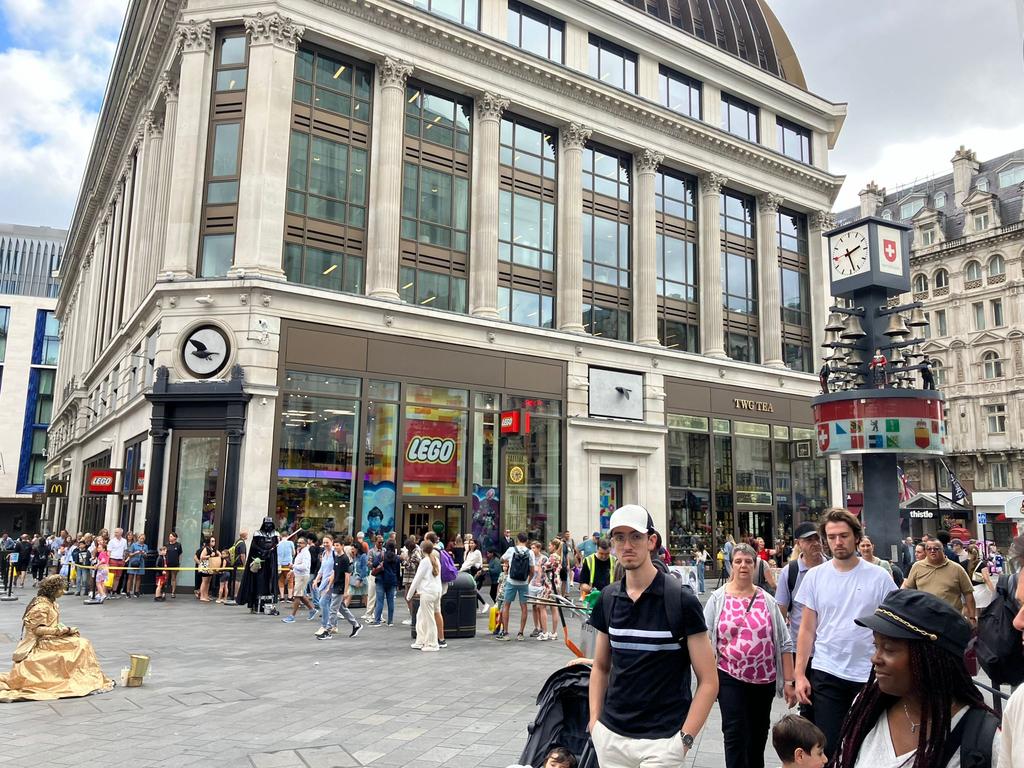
499,603
799,743
80,557
161,580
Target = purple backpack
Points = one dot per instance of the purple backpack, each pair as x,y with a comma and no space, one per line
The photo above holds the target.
448,570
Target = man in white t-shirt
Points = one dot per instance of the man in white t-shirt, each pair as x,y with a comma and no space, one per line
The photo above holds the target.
833,595
116,548
521,563
1011,752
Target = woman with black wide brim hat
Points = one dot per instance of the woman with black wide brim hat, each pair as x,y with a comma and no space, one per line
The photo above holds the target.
919,708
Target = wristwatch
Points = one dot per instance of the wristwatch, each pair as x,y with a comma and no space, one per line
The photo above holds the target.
791,683
688,741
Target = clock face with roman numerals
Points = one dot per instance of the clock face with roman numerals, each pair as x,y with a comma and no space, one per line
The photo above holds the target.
849,254
205,351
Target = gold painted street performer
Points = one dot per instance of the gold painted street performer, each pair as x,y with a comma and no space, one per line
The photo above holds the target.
52,661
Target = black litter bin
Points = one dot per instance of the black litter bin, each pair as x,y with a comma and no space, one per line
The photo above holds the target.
458,608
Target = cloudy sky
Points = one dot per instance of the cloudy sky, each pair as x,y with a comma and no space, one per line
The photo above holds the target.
921,77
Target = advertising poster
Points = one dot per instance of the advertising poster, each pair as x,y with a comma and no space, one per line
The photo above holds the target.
431,451
486,507
379,508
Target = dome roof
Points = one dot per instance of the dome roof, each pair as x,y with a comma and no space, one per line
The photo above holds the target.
744,28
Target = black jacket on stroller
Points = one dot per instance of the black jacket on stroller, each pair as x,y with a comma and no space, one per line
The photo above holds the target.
562,718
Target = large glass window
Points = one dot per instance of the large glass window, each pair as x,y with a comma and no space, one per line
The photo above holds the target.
739,277
612,64
794,140
49,350
533,494
535,31
689,492
606,244
526,223
724,501
465,12
739,118
678,92
5,321
434,454
753,471
223,162
676,254
435,199
794,276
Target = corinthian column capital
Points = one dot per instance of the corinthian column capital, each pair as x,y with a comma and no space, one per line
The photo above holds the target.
711,183
574,136
394,72
647,160
823,221
491,105
273,29
769,203
195,36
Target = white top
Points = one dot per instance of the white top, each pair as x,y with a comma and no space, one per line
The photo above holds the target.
116,548
302,562
877,750
425,582
473,558
842,648
508,556
1011,754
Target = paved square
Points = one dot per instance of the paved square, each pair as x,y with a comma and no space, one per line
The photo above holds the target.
252,691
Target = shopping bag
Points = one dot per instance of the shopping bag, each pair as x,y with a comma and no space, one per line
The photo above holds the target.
110,579
74,574
492,618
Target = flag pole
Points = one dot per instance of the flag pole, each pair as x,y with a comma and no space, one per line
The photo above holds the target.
938,506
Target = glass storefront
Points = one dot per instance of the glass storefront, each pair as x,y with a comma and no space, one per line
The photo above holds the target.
374,455
740,478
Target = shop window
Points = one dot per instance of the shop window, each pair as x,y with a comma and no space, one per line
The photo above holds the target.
380,464
534,31
739,118
533,494
419,393
676,254
435,199
794,140
689,492
526,223
679,93
433,457
607,213
723,500
224,154
612,64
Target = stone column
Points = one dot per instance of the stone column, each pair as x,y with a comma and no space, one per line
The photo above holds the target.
383,245
259,238
712,312
483,264
185,195
769,282
169,89
645,267
154,163
570,227
821,295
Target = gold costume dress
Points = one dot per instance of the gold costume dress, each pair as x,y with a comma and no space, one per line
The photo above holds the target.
51,667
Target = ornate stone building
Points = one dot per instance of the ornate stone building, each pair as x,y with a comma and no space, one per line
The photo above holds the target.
966,260
328,258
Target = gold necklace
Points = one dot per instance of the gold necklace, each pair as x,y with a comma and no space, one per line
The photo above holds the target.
913,726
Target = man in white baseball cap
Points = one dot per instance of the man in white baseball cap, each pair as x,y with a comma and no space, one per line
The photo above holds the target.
650,631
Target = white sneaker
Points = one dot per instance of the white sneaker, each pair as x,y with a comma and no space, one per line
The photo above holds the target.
407,622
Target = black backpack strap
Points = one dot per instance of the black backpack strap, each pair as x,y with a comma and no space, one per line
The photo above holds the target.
792,573
608,595
972,736
673,597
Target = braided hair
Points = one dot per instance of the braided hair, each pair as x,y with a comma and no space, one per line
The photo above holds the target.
940,679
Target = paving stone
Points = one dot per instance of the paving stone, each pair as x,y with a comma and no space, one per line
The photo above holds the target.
327,757
285,759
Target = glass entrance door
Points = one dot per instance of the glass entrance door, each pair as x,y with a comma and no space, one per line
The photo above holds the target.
446,519
757,524
197,488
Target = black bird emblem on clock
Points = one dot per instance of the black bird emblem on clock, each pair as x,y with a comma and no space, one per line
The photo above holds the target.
205,352
201,350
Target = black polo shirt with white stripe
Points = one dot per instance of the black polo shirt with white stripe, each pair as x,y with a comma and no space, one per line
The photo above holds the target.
648,693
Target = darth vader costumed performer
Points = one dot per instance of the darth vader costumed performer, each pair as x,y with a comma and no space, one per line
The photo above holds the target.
259,583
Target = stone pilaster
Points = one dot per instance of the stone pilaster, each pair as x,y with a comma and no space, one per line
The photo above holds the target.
262,187
195,40
712,312
645,268
570,226
483,265
384,236
818,277
769,294
168,88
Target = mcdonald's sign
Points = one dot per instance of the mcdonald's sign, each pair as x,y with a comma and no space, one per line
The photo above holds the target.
57,489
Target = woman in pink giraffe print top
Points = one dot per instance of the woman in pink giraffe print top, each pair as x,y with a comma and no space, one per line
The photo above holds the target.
755,659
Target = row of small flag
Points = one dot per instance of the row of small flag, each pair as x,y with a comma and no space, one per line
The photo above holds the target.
959,495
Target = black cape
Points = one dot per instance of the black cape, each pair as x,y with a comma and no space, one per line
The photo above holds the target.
263,582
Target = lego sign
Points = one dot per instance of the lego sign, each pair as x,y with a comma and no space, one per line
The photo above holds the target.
431,451
515,423
102,481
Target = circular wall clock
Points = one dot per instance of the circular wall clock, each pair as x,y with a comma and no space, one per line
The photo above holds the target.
850,254
205,351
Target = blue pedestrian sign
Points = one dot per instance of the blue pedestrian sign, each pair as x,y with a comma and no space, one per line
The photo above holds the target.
982,518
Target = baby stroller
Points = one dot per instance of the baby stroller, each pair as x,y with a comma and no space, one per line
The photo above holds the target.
563,712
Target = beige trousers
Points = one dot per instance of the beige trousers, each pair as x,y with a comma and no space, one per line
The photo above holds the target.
614,751
426,627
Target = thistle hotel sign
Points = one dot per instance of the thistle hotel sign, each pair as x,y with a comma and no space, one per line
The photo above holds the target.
759,406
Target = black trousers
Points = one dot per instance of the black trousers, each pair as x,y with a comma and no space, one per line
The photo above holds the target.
746,717
831,698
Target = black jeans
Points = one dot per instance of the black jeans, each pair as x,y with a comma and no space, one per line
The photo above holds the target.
746,716
831,698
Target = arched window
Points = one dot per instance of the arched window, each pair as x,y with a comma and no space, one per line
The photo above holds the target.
920,283
982,184
938,371
993,365
941,279
996,266
940,200
887,215
972,271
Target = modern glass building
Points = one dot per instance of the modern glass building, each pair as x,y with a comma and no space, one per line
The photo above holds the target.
475,265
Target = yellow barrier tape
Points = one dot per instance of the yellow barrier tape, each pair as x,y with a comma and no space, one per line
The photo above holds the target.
182,568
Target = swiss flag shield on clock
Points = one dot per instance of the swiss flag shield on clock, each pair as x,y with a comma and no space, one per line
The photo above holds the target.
889,250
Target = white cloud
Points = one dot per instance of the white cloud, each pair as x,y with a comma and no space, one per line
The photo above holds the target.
52,76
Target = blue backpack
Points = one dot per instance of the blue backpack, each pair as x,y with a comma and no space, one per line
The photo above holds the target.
448,570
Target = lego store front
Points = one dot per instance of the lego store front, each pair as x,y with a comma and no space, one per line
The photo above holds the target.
381,454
